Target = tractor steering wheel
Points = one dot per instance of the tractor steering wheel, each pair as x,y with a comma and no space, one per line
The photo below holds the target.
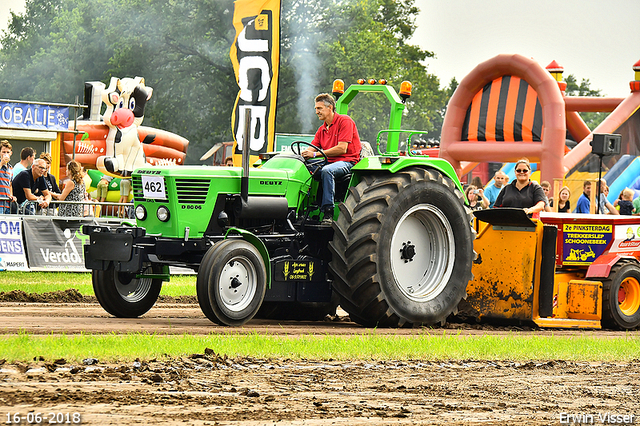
315,165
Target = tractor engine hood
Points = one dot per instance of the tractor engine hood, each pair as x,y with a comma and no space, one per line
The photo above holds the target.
177,201
221,179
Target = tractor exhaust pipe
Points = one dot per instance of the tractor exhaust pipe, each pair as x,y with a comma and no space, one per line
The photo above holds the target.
256,206
246,151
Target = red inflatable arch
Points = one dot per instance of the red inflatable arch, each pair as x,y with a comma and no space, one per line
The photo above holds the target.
507,108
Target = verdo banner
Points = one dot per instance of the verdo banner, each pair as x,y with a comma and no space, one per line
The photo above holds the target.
54,244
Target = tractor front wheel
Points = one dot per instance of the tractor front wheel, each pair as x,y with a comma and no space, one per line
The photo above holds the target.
231,282
621,297
122,294
402,249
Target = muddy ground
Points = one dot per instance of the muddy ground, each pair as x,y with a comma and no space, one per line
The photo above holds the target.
211,389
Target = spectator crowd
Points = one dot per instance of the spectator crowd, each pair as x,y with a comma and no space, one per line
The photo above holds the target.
28,187
525,193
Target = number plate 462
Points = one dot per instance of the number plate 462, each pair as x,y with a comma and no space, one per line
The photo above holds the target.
153,187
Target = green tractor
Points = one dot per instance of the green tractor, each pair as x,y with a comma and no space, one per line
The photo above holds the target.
398,253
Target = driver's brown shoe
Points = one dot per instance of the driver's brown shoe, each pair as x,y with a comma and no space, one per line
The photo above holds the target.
327,216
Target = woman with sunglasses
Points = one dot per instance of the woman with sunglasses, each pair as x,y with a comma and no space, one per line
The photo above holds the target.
522,192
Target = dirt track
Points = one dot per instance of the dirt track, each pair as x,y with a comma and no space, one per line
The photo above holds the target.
209,389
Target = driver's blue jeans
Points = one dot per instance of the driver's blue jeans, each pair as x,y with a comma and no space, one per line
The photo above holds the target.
328,176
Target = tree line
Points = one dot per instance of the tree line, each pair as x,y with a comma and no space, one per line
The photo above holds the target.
182,51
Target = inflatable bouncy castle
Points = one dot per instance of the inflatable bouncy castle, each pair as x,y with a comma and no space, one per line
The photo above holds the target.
511,107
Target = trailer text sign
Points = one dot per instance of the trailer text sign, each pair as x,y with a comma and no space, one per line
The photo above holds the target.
33,116
627,239
583,243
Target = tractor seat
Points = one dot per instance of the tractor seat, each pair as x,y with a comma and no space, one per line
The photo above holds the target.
342,186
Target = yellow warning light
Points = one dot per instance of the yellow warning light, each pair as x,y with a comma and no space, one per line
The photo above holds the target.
405,90
361,81
372,81
382,81
338,88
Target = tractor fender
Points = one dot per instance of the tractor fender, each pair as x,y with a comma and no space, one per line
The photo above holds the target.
375,164
601,267
258,244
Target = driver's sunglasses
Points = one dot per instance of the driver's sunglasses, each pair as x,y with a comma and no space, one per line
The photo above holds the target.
522,170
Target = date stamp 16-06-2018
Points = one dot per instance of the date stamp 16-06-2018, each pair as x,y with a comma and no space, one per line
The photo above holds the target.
43,418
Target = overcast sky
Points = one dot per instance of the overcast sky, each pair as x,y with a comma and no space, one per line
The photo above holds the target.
594,39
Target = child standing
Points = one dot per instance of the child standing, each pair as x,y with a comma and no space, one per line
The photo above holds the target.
626,204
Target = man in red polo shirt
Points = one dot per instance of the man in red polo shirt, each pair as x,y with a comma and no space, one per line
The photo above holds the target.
339,140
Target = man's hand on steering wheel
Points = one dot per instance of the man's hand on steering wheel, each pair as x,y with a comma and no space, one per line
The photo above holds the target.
308,154
314,160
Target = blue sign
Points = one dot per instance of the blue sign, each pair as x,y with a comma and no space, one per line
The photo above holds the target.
33,116
12,250
584,242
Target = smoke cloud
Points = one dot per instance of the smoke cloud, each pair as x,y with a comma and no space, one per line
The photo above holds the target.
306,65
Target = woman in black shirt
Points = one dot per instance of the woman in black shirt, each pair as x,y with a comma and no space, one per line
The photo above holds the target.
522,192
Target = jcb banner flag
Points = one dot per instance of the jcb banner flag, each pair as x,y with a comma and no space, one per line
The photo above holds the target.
255,55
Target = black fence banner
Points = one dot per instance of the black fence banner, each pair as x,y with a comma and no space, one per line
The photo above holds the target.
55,244
255,55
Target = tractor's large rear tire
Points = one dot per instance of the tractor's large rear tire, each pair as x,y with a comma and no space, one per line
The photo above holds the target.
231,282
122,294
621,297
402,249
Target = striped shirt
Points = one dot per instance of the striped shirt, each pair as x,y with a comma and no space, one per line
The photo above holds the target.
6,174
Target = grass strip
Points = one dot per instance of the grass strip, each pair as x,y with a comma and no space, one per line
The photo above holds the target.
44,282
369,346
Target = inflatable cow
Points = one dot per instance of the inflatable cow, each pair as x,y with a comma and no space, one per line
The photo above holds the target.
125,100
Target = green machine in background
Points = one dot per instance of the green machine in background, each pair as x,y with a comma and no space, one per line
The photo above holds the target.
398,253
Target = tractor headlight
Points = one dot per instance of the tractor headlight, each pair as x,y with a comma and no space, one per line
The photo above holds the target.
141,213
163,214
